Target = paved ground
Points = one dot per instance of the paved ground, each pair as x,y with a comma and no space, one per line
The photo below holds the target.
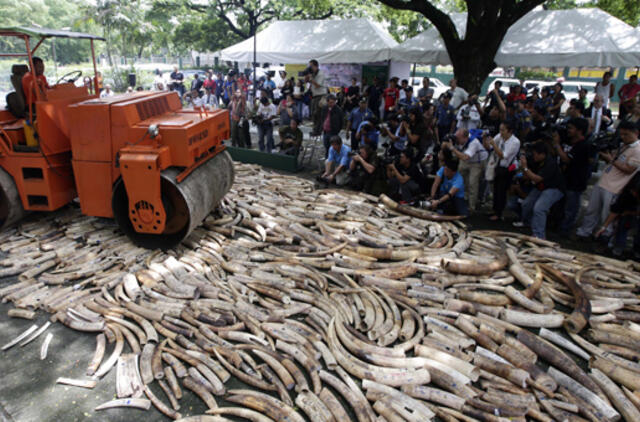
28,392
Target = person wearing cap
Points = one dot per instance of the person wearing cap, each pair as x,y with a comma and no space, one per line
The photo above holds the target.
445,116
447,191
545,101
368,134
409,100
356,117
291,138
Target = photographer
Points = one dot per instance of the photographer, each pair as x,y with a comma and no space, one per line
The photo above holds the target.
557,99
356,117
291,138
404,177
447,191
332,119
264,120
472,156
337,163
626,212
470,115
316,78
548,188
396,133
416,131
620,168
363,169
574,161
367,134
505,147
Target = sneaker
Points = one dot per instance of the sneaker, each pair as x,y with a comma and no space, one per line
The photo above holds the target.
518,224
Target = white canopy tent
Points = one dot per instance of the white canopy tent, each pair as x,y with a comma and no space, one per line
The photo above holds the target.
544,38
328,41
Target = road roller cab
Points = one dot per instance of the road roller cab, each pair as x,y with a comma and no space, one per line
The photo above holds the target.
139,158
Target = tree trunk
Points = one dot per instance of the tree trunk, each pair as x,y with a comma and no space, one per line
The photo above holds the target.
471,69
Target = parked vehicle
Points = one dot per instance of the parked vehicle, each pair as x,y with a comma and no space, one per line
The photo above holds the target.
438,86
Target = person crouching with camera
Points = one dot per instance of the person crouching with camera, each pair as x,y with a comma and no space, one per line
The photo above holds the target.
549,185
363,169
447,191
404,177
291,138
337,163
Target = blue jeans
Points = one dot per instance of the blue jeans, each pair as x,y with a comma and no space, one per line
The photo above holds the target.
535,208
265,130
571,209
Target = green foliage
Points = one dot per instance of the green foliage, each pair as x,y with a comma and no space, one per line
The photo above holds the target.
625,10
536,74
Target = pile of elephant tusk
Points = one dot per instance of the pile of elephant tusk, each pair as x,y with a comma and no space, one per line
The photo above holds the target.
331,305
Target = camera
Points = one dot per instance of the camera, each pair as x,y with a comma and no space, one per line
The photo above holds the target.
449,138
404,118
271,73
352,153
604,141
305,72
386,160
465,113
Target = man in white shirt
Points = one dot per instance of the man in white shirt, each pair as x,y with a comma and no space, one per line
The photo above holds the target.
458,94
318,90
265,115
469,115
106,92
473,157
621,167
605,88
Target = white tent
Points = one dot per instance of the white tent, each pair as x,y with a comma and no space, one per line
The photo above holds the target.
328,41
574,37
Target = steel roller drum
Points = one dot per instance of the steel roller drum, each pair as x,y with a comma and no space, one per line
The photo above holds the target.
186,204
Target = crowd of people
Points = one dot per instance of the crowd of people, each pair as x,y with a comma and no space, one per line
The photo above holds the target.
528,151
520,150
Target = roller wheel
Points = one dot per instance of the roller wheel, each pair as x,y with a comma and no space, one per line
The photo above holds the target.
11,210
186,204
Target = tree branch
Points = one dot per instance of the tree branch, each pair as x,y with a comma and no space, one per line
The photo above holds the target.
439,19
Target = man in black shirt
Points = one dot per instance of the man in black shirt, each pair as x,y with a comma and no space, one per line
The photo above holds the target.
363,169
626,211
373,97
574,161
177,81
548,183
405,178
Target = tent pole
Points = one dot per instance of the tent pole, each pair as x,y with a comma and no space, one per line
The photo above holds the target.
255,43
413,73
